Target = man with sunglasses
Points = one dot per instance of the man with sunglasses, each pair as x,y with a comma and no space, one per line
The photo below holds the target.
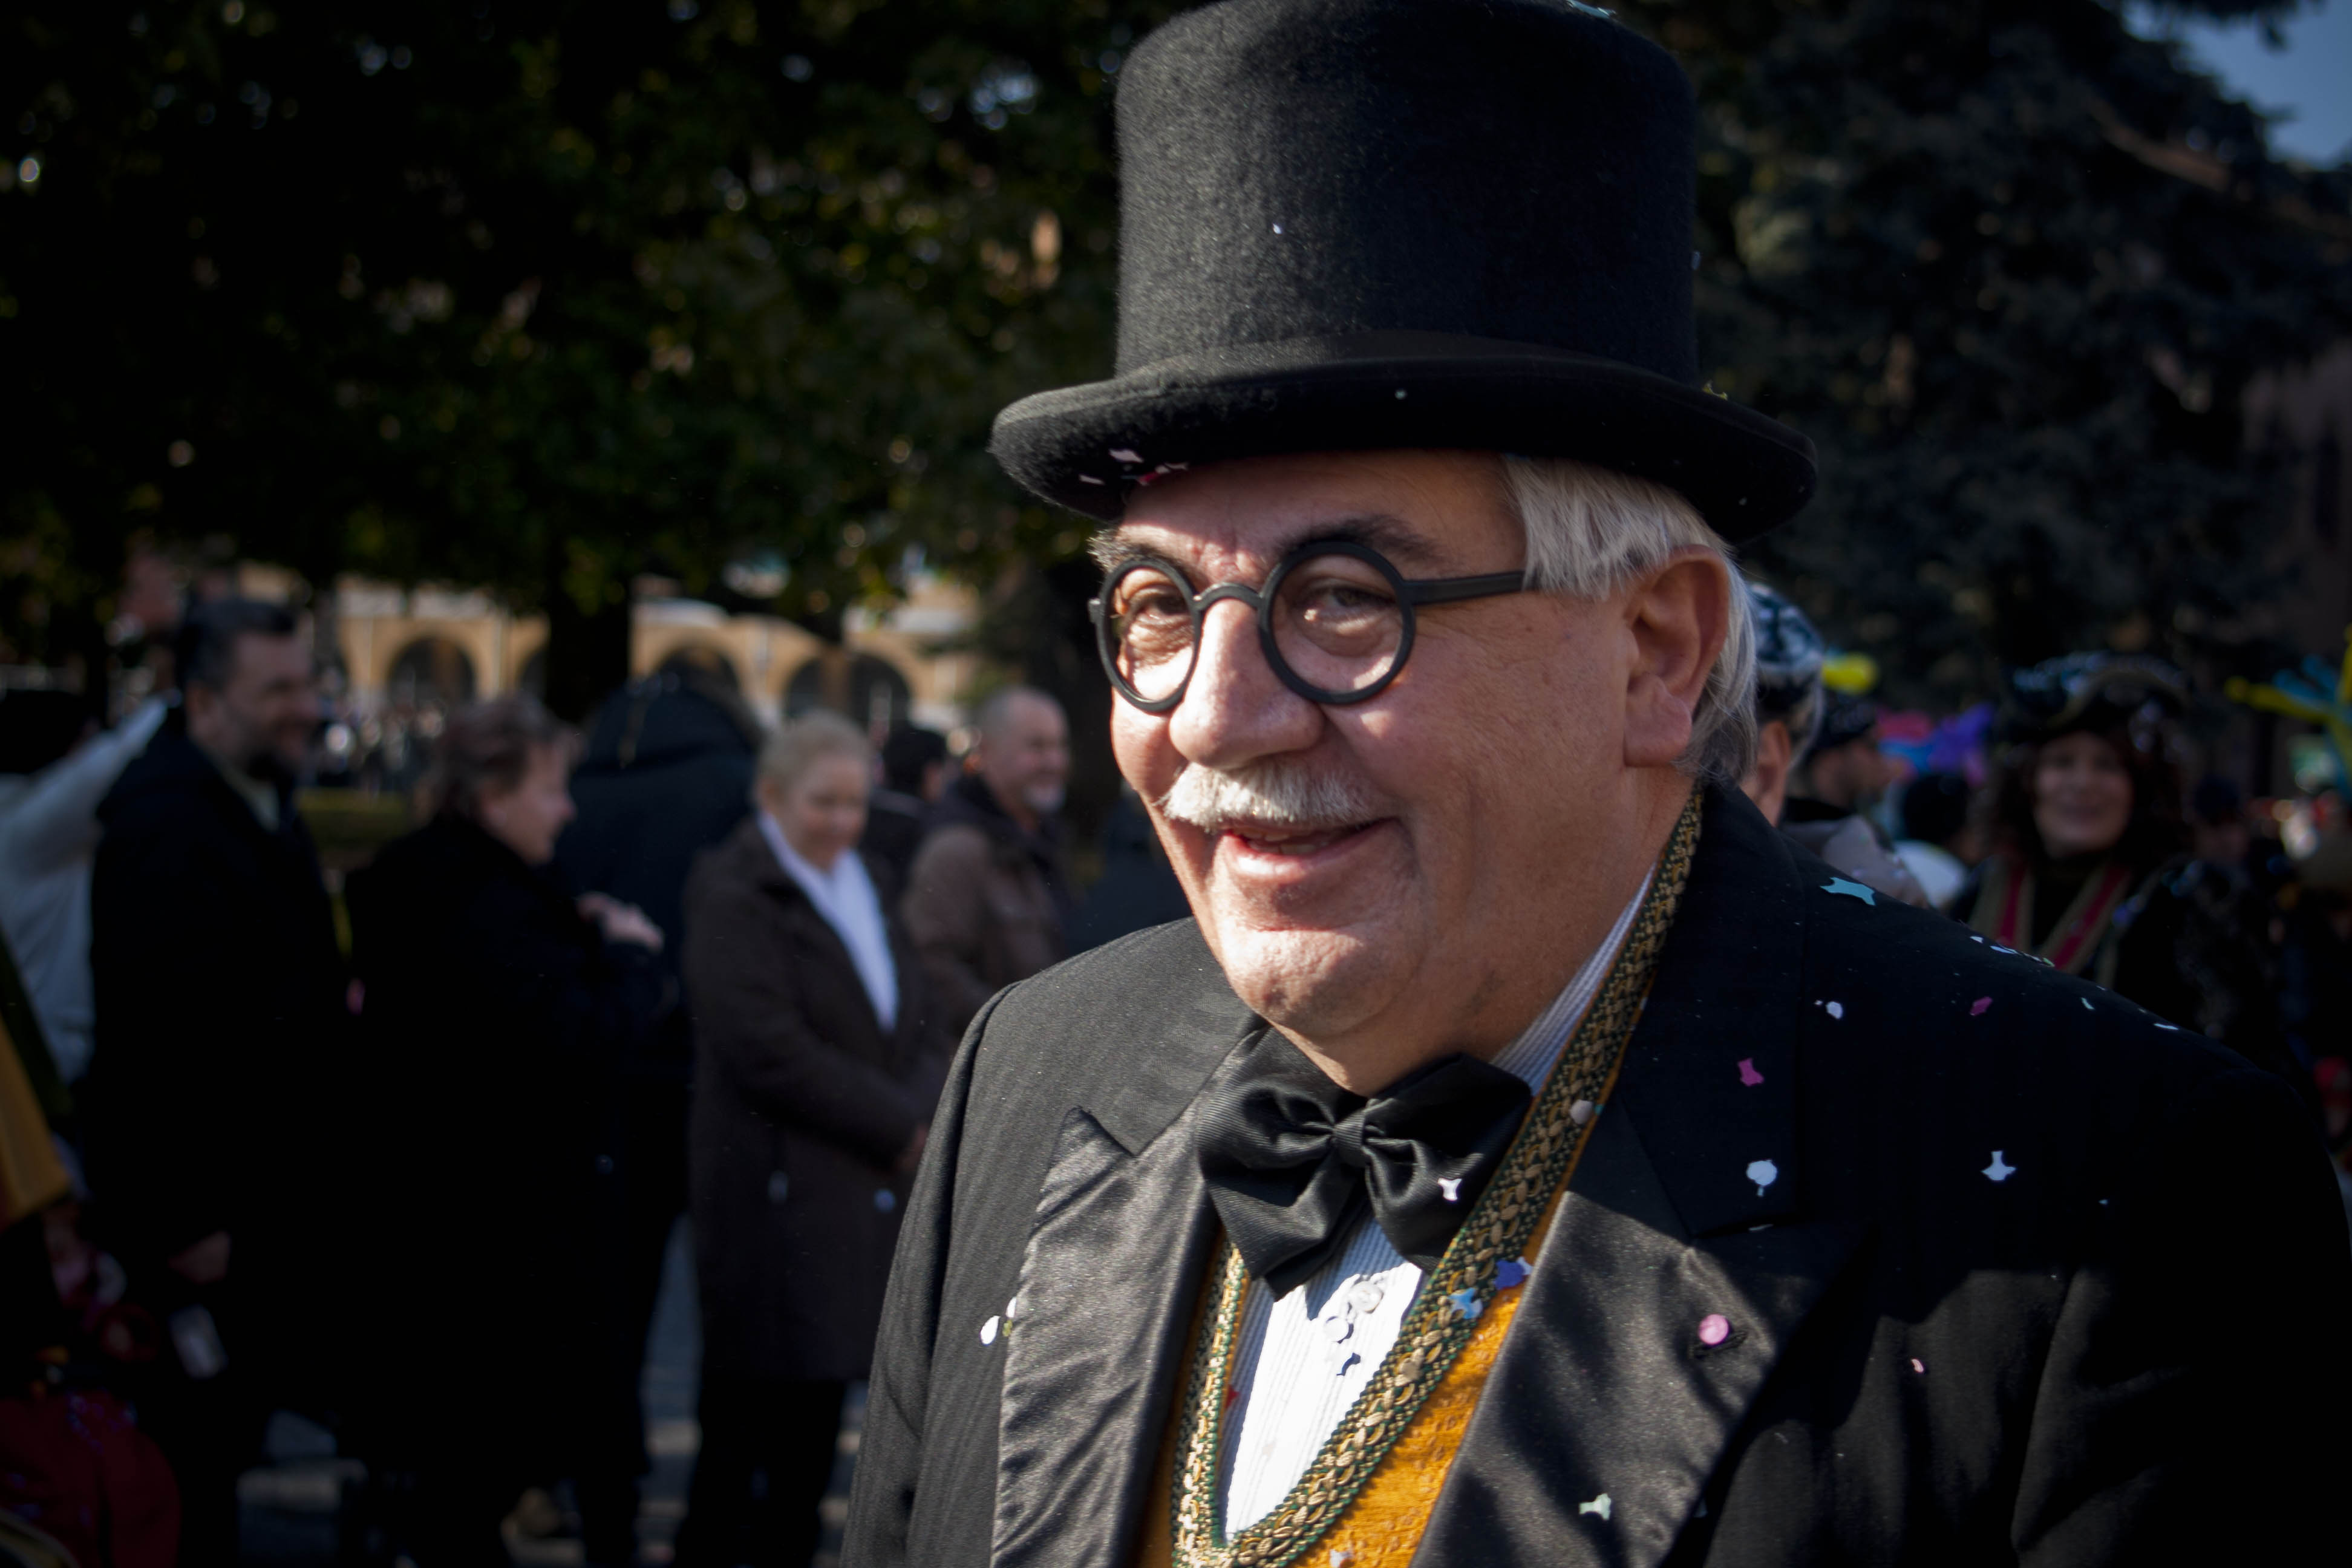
1526,1154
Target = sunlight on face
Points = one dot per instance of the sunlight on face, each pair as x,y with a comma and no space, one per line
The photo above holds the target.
1474,786
823,812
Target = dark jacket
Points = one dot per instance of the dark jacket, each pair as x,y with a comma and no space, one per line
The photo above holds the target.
802,1105
894,831
221,1029
2188,944
666,774
495,1015
987,903
2012,1295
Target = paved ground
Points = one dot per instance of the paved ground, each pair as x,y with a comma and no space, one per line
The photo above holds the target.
294,1510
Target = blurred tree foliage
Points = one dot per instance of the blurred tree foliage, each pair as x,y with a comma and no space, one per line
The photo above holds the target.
2012,267
540,295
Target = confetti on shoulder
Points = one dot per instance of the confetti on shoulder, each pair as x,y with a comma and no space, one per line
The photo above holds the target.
1763,1172
1467,1302
1510,1273
1599,1505
1851,889
1999,1170
1977,1009
2086,1001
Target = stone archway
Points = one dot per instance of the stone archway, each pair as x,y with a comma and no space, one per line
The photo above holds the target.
869,689
431,672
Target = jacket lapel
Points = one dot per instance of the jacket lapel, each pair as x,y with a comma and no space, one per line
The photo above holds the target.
1115,1260
1685,1208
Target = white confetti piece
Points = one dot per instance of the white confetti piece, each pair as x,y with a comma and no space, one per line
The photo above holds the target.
1582,1112
1012,1309
1452,1187
1837,1009
2170,1028
1599,1505
1917,1365
1277,228
1999,1170
1088,479
2086,1001
1763,1172
988,1331
1125,455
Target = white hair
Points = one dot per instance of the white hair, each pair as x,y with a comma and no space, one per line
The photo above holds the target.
1590,531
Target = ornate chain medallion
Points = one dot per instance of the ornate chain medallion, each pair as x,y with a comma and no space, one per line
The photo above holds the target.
1452,1297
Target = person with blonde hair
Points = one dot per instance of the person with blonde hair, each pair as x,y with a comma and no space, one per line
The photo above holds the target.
818,1053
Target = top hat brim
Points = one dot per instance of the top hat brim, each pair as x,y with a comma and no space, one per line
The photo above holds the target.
1089,447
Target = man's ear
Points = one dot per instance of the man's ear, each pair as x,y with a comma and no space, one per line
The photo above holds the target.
1678,617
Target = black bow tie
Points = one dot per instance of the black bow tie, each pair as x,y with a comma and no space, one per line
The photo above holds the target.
1291,1158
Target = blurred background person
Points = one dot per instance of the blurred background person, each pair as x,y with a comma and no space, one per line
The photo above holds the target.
1137,888
819,1060
2091,868
988,902
914,776
52,779
1792,712
1789,695
221,1037
498,1007
1935,834
665,775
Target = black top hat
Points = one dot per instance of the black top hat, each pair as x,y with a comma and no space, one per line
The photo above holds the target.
1353,224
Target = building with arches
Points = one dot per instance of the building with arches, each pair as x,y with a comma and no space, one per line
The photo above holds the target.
430,649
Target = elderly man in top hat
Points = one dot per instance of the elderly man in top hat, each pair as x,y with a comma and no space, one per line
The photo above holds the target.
1526,1154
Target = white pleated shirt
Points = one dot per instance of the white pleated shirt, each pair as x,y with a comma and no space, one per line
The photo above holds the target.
1305,1359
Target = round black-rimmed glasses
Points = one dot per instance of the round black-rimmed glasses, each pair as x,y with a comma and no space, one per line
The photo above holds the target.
1336,620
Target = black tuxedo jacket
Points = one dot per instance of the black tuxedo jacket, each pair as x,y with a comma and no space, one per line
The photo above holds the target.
2031,1278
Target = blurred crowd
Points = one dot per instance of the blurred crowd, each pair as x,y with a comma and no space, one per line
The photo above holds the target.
268,1146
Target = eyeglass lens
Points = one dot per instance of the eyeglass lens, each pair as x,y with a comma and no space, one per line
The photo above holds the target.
1336,621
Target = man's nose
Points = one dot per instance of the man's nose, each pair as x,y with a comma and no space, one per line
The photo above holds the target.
1235,708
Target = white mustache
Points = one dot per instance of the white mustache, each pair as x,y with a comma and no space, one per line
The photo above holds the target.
1276,794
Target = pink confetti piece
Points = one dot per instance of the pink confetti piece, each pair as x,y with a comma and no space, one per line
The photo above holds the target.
1977,1008
1714,1328
1748,1073
1917,1365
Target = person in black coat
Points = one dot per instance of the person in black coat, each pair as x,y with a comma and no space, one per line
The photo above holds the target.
1527,1155
666,773
497,1006
220,1036
819,1057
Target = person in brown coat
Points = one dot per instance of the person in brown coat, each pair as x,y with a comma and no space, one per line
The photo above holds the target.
987,901
818,1058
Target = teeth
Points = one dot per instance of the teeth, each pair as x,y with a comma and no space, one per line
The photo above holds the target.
1289,840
